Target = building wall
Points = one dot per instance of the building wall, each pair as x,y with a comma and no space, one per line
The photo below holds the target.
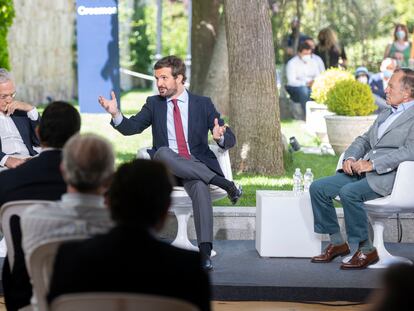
41,43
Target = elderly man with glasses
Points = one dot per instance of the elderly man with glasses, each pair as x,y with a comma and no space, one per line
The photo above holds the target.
18,120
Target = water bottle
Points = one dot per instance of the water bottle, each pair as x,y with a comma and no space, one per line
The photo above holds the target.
307,180
297,182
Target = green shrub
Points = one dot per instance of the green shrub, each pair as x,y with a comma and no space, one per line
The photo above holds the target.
351,98
326,81
6,19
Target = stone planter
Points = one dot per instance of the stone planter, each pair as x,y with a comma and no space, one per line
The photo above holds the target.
342,130
315,121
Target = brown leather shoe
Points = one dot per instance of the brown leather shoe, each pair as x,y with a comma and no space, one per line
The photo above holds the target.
361,260
331,252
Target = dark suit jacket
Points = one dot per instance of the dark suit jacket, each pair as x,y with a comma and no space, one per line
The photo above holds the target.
377,87
37,179
201,115
26,127
130,260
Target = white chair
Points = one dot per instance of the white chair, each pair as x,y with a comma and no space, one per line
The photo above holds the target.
181,203
401,200
40,268
119,302
7,211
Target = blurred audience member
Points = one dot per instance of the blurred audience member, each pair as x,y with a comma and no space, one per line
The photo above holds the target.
130,258
362,75
397,291
301,71
18,120
87,168
329,49
400,48
290,43
37,179
379,81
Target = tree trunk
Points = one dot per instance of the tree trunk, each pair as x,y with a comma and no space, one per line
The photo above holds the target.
217,82
254,107
203,37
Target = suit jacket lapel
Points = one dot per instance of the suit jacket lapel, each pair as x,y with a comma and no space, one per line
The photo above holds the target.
191,110
18,123
381,118
163,117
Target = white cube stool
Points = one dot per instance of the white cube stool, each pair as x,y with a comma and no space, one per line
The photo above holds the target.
284,225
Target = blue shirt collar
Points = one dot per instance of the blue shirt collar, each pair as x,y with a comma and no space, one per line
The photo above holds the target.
402,107
182,98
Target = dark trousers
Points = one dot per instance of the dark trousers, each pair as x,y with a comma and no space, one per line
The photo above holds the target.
299,94
195,177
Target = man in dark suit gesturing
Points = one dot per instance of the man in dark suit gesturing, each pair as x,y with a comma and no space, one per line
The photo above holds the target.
180,124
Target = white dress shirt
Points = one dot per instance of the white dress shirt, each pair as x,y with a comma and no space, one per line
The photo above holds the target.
300,72
11,141
77,215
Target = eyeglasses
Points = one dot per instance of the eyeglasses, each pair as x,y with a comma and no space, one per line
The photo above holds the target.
5,96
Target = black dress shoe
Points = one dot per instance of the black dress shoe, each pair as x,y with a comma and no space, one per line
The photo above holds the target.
205,252
235,195
206,263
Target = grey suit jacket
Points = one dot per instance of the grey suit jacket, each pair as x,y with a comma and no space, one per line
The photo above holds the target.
395,146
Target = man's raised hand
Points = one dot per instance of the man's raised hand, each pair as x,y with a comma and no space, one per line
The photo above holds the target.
110,105
218,131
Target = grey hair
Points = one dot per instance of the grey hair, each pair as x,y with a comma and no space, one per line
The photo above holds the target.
87,162
5,76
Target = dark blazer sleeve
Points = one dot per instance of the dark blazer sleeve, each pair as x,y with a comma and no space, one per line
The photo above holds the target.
229,138
63,266
136,124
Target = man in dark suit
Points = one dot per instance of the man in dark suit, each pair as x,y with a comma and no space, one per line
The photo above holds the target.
129,258
17,125
180,125
37,179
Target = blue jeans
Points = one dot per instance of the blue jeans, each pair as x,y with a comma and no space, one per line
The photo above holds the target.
299,94
353,191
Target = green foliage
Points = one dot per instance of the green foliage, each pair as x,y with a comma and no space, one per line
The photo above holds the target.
351,98
140,55
326,81
142,37
174,28
6,20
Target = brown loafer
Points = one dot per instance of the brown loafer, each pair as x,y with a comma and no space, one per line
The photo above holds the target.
361,260
331,252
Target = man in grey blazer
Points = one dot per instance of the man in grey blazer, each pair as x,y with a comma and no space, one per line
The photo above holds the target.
180,124
368,172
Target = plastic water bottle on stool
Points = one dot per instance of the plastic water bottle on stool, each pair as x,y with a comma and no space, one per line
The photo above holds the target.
307,180
297,182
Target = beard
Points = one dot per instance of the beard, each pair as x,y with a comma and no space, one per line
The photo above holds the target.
165,92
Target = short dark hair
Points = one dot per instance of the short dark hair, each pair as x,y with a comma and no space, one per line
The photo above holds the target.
304,46
175,63
59,122
407,80
140,193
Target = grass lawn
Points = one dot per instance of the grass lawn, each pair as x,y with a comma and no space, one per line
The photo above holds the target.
126,148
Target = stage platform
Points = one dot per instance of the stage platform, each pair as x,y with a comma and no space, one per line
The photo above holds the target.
241,274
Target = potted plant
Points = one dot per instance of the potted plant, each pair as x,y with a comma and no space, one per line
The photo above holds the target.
353,105
316,110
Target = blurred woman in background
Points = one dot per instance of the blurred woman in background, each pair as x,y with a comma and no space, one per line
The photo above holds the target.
400,48
329,49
